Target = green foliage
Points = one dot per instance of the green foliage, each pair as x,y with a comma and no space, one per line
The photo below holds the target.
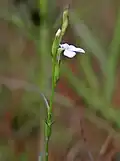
6,153
5,98
98,94
30,114
23,157
112,62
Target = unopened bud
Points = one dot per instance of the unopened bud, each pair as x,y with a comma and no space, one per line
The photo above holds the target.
58,32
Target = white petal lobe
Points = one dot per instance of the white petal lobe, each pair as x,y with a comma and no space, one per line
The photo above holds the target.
69,54
64,46
80,50
73,48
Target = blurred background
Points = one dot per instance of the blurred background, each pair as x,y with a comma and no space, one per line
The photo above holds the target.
86,104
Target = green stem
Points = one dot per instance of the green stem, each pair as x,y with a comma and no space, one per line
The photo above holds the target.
55,75
49,113
53,85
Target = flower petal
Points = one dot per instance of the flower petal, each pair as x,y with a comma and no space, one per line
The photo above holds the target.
64,46
73,48
69,54
80,50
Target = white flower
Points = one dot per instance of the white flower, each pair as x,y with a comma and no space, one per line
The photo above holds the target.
70,50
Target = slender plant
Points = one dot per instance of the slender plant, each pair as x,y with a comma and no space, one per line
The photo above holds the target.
57,49
55,76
